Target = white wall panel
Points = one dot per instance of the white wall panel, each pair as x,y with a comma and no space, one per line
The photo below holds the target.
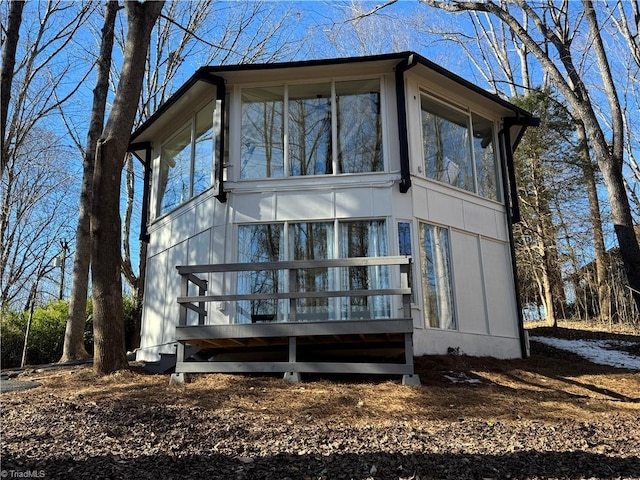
419,197
252,207
175,256
207,214
445,209
501,226
500,289
154,304
354,203
480,219
183,226
310,205
467,268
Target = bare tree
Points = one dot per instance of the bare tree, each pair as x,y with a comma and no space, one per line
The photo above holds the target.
109,354
33,207
73,348
550,22
34,215
10,41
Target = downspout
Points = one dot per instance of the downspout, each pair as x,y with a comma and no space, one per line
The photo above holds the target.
403,138
146,165
221,91
510,193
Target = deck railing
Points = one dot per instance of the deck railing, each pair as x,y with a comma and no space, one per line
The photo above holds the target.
197,303
385,332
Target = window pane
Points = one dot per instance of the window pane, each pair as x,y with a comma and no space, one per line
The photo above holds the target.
175,171
203,160
404,248
262,150
446,147
259,243
486,166
364,239
310,129
359,127
436,277
313,241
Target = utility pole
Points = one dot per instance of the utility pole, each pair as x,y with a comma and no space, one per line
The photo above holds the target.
63,260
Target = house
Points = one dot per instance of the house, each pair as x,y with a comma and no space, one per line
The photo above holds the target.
323,162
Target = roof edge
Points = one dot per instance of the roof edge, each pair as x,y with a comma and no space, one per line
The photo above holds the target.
209,73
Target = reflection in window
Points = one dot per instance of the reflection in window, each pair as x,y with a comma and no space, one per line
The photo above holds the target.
310,129
260,243
175,171
186,161
364,239
359,127
486,165
437,282
313,241
321,139
446,146
262,149
404,248
203,150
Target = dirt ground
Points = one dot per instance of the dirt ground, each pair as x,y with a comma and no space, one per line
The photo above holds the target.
553,415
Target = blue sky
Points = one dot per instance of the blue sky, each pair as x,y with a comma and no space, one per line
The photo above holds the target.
321,29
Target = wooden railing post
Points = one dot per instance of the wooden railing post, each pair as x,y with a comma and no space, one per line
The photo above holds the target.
404,283
202,291
293,282
179,377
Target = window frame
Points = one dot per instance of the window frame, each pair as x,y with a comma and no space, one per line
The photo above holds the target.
414,263
335,274
190,122
469,114
451,277
332,81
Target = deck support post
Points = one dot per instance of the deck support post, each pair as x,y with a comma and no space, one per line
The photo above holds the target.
179,379
293,377
411,380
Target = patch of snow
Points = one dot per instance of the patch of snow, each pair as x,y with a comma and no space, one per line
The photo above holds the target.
459,377
602,352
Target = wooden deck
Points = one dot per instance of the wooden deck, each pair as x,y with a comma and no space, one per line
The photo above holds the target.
294,347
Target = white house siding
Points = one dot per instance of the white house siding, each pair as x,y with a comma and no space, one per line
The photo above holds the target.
484,292
185,236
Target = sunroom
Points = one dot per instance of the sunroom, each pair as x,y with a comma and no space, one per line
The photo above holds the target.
301,213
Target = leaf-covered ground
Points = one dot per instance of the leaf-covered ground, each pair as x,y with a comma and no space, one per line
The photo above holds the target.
553,415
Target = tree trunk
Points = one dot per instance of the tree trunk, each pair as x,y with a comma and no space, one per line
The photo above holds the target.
73,348
604,296
106,267
623,223
6,74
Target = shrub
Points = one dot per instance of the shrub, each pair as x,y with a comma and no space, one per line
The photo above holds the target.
46,334
12,327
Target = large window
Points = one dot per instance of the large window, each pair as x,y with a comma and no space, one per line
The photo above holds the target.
437,281
364,238
359,127
458,148
313,241
330,128
186,161
260,243
262,150
310,129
